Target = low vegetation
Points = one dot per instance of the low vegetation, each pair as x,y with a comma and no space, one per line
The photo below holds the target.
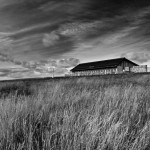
87,113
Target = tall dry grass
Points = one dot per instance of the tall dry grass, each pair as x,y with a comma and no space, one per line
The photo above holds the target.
96,113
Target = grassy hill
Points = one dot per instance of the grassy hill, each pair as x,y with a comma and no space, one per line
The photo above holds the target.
87,113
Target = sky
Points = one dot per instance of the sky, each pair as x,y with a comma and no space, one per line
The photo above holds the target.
39,36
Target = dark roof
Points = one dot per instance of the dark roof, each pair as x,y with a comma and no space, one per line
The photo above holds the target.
111,63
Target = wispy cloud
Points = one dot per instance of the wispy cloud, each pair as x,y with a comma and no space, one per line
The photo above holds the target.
64,63
50,39
5,42
140,57
37,69
35,30
79,28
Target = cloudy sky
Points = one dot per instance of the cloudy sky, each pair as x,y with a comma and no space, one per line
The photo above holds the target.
38,35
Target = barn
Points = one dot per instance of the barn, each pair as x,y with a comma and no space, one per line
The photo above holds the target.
111,66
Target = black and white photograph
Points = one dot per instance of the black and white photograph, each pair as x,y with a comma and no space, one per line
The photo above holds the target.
74,74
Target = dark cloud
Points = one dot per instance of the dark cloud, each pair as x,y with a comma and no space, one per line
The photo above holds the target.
38,30
49,18
26,13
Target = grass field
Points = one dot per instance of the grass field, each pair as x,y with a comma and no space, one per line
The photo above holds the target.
88,113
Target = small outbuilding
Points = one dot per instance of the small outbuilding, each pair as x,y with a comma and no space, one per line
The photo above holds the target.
111,66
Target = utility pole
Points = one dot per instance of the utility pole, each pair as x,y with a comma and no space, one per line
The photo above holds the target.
53,72
146,68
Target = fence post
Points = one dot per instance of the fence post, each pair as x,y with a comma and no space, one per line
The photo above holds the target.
146,68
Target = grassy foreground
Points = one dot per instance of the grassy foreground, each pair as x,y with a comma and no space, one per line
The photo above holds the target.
94,113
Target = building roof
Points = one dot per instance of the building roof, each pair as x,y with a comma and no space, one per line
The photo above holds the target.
111,63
